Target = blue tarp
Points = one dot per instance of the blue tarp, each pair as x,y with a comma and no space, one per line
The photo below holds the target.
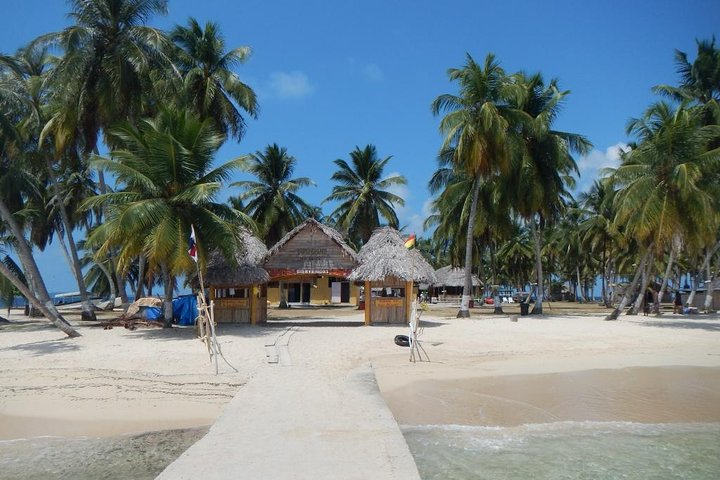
184,311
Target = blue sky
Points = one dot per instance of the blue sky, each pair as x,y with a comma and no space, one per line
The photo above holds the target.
334,75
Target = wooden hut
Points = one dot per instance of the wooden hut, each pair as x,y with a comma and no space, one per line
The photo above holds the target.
389,271
239,289
450,283
310,265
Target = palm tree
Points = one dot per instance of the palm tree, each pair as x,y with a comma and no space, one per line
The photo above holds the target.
599,232
28,82
166,185
102,76
18,187
363,195
476,131
544,165
273,201
660,183
699,80
210,87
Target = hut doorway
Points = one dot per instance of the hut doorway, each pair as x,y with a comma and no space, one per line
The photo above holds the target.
340,292
299,292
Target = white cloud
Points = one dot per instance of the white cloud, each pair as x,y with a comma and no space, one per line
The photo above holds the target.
372,72
368,71
592,164
291,85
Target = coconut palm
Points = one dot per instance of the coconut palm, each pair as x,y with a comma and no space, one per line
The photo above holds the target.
599,232
660,183
699,80
102,76
273,201
363,194
476,129
18,188
166,184
28,82
543,167
210,86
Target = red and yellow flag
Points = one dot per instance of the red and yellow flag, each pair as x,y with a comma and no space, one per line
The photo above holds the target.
410,242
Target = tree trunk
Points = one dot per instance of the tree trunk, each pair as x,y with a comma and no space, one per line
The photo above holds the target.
88,309
707,307
577,272
537,309
464,311
283,297
57,320
167,303
640,300
630,289
141,277
705,266
32,272
111,282
666,278
121,286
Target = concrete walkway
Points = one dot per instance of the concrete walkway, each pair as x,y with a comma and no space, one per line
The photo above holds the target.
301,422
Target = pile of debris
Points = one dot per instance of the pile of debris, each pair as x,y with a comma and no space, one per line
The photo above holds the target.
134,317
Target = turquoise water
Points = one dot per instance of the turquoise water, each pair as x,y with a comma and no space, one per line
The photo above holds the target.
567,450
136,457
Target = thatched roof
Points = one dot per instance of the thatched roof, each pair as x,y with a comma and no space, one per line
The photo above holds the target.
247,271
329,231
453,277
385,256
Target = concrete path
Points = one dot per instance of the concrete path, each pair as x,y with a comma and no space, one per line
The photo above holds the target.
296,421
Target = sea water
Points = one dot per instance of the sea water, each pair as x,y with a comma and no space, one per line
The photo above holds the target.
124,457
567,450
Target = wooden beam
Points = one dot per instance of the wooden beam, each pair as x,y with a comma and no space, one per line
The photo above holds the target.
368,303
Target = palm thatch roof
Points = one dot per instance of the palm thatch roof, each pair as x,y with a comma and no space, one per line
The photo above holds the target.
247,271
450,276
329,231
385,256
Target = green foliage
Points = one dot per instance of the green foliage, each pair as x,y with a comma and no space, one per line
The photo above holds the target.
364,194
273,201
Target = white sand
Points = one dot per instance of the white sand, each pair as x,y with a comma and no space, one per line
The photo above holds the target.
120,381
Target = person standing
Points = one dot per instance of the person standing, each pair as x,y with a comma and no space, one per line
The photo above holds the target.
677,303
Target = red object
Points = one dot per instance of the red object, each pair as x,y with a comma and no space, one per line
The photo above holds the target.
489,301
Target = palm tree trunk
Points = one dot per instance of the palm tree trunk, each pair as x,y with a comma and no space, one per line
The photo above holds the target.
630,289
88,310
33,275
666,278
640,300
167,303
141,277
464,311
705,267
577,273
111,281
537,309
708,277
32,272
118,276
59,322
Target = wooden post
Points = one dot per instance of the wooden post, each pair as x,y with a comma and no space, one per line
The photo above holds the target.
368,302
253,309
408,300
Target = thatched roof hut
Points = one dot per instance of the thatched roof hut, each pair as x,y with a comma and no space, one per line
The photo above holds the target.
311,222
385,256
247,271
450,276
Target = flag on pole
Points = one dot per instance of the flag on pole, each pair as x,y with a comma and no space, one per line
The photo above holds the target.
192,247
410,242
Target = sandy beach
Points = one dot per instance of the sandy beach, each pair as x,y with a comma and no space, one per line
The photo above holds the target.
487,371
